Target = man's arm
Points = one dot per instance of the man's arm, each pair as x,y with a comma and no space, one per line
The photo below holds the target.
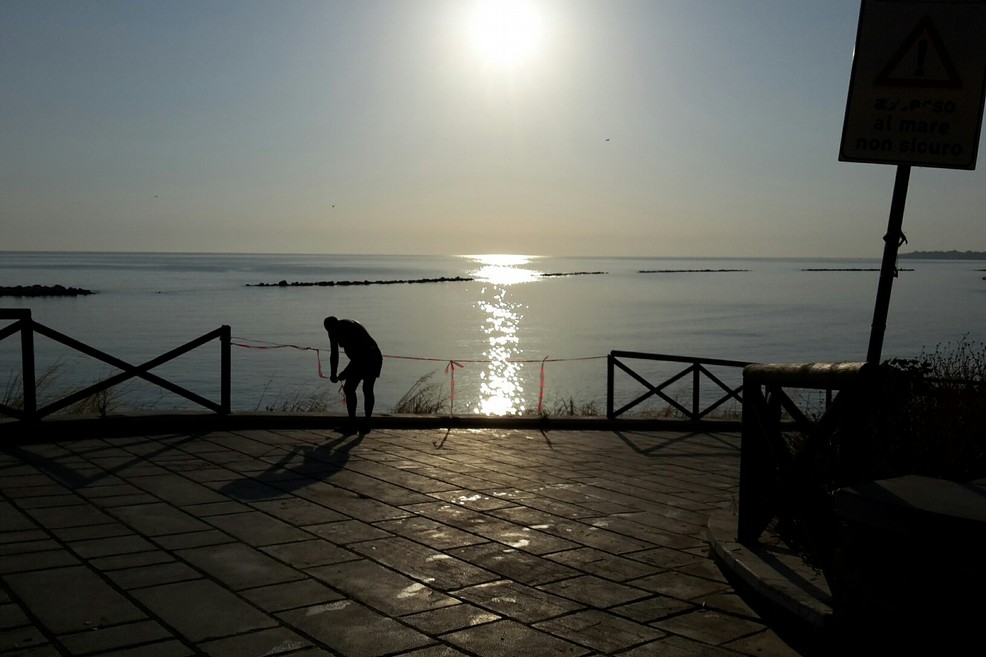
333,359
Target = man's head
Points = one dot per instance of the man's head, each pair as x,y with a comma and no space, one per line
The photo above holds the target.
330,323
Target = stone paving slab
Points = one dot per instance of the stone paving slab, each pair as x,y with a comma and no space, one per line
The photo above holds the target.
202,609
424,543
515,564
350,628
507,638
71,599
381,588
157,519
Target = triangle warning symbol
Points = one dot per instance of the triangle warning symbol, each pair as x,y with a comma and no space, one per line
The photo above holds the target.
921,62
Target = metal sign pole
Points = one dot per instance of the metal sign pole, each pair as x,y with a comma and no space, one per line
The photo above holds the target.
916,97
888,270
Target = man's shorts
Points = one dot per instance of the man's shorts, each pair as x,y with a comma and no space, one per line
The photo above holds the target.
365,368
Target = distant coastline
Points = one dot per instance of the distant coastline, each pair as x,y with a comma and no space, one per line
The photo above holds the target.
945,255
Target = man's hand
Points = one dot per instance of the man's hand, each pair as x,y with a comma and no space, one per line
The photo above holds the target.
334,379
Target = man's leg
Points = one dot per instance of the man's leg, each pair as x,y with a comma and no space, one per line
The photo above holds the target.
350,389
368,397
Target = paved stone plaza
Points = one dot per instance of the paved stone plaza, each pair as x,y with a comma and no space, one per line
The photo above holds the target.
431,543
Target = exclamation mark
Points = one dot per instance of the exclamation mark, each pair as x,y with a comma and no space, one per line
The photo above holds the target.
922,54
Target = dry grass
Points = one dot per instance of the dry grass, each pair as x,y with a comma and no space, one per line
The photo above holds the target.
425,397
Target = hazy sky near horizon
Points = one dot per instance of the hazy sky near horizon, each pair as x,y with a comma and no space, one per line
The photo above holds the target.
602,127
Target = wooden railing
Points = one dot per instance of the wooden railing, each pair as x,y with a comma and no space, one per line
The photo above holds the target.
696,368
27,327
778,437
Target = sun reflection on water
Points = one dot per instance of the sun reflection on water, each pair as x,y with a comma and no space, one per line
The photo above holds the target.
501,391
504,269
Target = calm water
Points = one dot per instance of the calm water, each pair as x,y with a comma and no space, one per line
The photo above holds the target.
498,327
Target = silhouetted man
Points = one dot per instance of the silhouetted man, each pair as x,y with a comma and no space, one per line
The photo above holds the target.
365,362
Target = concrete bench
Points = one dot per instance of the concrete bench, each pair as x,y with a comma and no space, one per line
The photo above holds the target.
912,554
916,504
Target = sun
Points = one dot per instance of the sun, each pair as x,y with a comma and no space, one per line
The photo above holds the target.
505,32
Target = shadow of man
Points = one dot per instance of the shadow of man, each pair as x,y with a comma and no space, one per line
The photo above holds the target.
318,463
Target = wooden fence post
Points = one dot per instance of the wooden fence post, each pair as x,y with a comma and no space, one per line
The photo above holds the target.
28,377
696,385
226,364
609,387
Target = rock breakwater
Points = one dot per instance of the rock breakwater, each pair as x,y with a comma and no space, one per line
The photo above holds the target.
443,279
42,291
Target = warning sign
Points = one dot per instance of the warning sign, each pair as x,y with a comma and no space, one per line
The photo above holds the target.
922,62
918,81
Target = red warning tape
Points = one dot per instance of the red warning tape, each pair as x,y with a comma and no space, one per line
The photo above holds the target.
271,345
450,370
450,366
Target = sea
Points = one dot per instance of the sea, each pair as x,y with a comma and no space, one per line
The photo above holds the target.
490,334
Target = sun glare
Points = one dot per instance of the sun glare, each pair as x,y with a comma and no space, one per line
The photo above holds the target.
506,32
503,268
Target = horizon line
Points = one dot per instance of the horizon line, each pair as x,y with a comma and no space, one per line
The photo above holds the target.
472,255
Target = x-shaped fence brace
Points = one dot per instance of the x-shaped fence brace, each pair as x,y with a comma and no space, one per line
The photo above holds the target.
696,367
128,371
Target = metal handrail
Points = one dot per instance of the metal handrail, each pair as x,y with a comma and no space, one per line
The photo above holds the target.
766,457
27,327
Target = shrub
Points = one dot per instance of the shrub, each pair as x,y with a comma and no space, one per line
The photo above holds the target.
100,403
925,416
13,391
424,397
567,408
930,417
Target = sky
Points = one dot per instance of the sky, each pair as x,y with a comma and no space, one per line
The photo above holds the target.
593,127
